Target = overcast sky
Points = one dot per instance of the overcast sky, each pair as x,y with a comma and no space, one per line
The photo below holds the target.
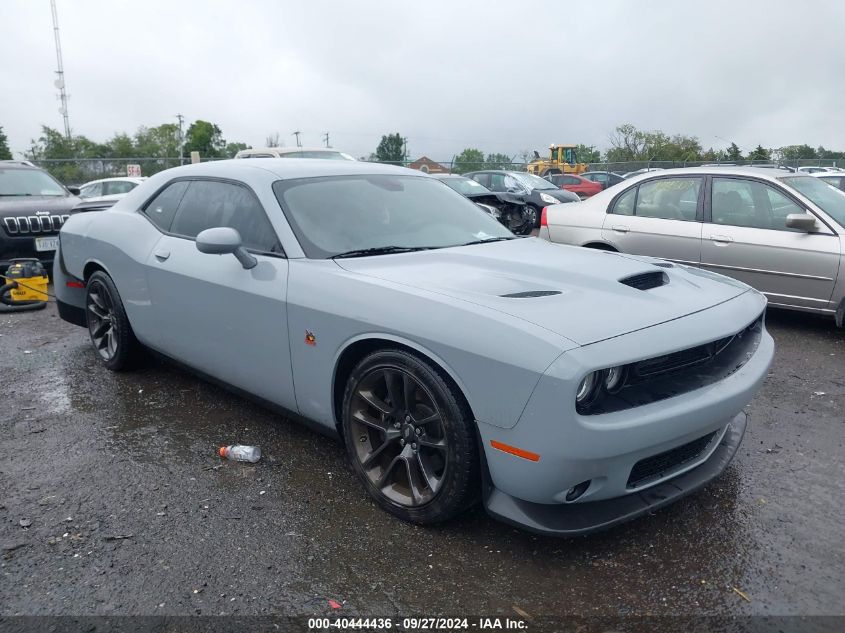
503,77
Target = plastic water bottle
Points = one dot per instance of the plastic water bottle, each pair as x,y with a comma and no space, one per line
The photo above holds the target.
240,453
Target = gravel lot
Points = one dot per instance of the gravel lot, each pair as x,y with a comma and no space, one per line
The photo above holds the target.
128,510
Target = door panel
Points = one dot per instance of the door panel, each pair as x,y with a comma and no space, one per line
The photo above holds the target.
222,319
793,269
746,237
658,219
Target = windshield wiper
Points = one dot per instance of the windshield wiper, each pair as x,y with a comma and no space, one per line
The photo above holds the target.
381,250
489,239
11,195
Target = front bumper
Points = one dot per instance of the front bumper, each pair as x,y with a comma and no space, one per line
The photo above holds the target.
579,518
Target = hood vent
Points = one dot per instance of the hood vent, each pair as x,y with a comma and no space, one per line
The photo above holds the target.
531,294
646,281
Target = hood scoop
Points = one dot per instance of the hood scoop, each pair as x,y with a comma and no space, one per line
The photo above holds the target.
646,281
530,294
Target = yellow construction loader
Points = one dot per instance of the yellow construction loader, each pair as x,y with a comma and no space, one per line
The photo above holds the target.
562,160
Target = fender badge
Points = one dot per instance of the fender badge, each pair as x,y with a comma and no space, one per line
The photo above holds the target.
309,338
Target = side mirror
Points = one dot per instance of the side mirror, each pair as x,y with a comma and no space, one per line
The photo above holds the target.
74,190
223,240
801,221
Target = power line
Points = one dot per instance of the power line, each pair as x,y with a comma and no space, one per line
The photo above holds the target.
60,73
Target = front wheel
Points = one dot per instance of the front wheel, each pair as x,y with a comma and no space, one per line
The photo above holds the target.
409,436
109,329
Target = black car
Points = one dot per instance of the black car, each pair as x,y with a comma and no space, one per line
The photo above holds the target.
605,178
505,207
33,207
534,191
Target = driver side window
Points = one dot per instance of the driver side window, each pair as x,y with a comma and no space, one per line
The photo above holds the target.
208,204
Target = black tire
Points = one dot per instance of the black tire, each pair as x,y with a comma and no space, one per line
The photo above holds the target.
444,453
108,327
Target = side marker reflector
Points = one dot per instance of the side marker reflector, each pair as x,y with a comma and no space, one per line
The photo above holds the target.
513,450
75,284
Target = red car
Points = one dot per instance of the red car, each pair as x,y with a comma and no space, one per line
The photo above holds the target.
581,186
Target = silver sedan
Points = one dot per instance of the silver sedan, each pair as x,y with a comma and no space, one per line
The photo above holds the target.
456,361
780,232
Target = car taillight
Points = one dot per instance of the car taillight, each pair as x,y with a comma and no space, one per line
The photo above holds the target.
544,220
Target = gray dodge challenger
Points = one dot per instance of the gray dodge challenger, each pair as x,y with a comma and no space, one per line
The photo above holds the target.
566,389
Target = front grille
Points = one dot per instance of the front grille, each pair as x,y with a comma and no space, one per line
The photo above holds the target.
661,377
646,281
678,360
34,224
656,466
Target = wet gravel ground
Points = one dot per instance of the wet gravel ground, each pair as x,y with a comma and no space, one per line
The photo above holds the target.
113,501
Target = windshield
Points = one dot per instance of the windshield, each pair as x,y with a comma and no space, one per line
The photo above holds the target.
465,186
823,195
533,182
337,214
28,182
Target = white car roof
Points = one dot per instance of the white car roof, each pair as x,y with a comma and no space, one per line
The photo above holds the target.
136,179
287,150
289,168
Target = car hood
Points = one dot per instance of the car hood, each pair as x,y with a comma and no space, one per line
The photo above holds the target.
571,291
31,205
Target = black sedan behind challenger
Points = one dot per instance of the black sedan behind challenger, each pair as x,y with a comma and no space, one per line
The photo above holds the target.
534,191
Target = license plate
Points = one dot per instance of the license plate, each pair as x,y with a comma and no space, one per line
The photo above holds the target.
46,243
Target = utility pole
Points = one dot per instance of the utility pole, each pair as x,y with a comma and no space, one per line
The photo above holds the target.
405,149
60,73
326,139
181,119
296,134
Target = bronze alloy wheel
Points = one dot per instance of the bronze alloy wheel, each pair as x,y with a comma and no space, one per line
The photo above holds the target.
399,437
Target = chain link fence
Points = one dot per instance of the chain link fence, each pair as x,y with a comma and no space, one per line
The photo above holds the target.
77,171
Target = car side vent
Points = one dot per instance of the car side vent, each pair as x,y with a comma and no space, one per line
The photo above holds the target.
530,294
646,281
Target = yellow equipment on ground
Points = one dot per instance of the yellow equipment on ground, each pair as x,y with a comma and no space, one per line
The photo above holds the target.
562,160
25,287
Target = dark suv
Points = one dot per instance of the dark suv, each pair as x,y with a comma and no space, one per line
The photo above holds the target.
33,207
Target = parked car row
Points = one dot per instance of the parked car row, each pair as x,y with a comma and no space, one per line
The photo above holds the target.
780,232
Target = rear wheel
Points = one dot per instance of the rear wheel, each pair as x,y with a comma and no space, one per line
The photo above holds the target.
109,329
409,436
532,216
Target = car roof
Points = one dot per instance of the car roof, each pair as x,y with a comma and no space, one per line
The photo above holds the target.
135,179
289,150
445,176
18,164
766,173
291,168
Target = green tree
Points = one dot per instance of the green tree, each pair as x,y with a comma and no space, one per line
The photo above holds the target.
792,152
587,153
234,148
498,161
160,142
468,160
5,152
760,153
391,149
206,138
734,153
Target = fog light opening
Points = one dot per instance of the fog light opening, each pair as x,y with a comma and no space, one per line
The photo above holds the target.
576,491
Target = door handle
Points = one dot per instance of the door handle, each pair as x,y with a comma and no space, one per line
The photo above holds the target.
161,255
620,228
722,239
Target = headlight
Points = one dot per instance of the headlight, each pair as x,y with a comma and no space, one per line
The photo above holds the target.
588,389
549,199
598,384
614,379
